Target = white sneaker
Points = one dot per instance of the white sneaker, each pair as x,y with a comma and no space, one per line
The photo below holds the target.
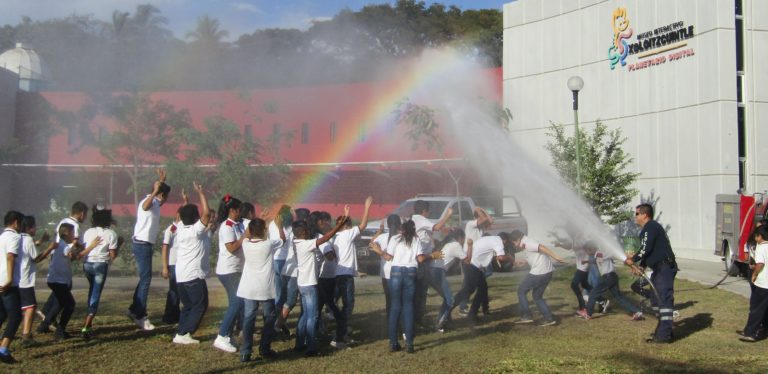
185,339
338,345
223,343
144,324
40,315
606,304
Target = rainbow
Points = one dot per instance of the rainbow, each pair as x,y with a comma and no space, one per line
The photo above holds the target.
375,116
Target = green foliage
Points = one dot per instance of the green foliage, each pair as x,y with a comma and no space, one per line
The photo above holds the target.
605,183
421,125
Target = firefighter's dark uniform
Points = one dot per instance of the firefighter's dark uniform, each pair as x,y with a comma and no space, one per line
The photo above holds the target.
656,253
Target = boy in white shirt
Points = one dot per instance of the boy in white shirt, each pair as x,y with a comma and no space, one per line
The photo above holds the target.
168,271
307,250
192,267
481,254
758,300
452,249
144,236
10,273
29,259
537,279
346,271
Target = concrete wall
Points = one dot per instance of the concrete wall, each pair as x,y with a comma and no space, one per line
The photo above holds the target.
679,117
9,83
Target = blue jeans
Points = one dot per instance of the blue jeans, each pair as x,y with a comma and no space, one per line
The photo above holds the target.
171,314
289,294
306,330
439,282
277,266
10,312
402,289
326,288
345,286
234,313
537,283
609,283
249,323
143,253
194,301
96,273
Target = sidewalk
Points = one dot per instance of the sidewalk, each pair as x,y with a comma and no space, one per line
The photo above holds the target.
708,273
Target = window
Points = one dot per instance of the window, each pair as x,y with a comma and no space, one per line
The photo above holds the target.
304,133
333,132
276,130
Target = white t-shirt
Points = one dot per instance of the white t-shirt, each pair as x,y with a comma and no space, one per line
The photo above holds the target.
306,258
327,267
404,255
345,249
228,263
108,242
258,279
485,249
385,267
10,242
28,265
287,247
147,221
539,262
192,256
75,232
471,231
60,270
604,263
169,239
451,252
423,231
582,259
291,267
761,257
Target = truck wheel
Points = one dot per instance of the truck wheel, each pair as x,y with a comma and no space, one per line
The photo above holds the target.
731,267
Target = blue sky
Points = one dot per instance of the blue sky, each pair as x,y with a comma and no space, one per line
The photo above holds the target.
237,16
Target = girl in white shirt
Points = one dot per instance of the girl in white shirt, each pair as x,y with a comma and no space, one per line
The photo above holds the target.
405,252
379,245
229,268
97,259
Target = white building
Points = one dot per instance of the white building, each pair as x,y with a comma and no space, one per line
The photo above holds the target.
690,93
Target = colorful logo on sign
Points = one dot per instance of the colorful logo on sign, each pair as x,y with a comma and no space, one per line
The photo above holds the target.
618,52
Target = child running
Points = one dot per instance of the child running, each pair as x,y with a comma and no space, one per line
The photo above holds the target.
538,278
29,260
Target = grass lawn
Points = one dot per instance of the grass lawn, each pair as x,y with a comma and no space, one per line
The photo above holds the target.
706,341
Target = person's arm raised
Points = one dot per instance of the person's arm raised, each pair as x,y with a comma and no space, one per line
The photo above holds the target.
364,220
205,215
439,225
336,229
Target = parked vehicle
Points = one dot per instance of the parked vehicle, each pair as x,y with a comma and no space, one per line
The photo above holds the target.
504,220
736,217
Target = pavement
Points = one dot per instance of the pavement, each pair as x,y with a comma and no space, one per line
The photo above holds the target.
708,273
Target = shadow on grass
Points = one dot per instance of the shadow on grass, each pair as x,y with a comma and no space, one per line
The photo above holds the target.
691,325
655,364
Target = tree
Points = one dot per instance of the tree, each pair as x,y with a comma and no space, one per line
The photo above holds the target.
146,133
605,183
207,32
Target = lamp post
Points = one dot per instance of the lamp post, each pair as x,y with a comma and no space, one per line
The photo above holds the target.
575,84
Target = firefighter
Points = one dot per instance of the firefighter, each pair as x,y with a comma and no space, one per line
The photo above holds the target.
656,253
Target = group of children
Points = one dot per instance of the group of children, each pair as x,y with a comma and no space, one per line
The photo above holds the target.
269,262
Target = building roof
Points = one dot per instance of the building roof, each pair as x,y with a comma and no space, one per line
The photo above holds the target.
25,62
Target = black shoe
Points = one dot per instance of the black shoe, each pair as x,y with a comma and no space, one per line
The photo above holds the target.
269,354
312,354
245,358
61,335
286,332
42,328
395,348
7,358
300,349
409,349
655,340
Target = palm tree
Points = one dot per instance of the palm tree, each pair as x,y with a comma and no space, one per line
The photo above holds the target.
207,32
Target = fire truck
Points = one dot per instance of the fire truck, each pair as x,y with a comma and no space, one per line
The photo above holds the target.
736,218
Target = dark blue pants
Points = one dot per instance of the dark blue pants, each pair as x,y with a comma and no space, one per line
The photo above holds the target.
326,288
345,286
609,283
580,281
10,311
64,299
142,252
663,278
420,297
171,314
194,301
474,279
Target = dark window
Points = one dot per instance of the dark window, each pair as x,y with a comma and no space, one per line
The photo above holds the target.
276,130
248,131
333,132
304,133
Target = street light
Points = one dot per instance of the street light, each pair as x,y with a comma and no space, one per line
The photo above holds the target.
575,84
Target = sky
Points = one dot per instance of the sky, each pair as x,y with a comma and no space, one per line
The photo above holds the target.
236,16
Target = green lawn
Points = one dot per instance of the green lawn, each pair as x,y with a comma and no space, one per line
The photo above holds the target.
611,343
